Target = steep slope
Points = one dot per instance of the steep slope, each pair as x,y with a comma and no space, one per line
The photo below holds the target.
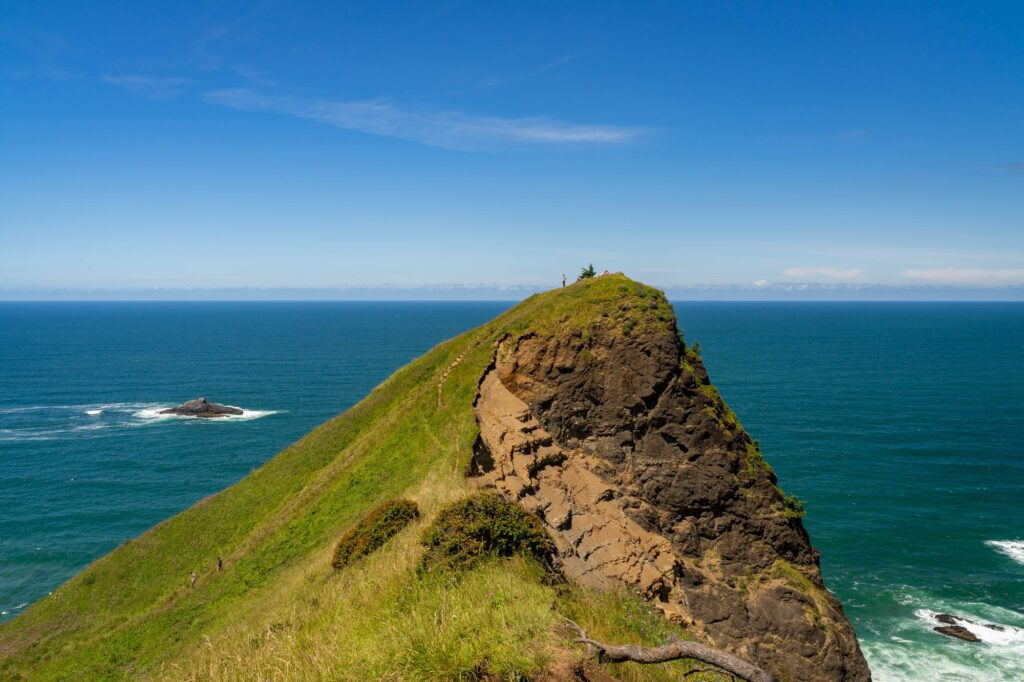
277,610
615,436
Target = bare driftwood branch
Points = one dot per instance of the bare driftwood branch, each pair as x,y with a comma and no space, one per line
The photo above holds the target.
725,661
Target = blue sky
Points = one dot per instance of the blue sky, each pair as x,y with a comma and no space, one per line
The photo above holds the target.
458,149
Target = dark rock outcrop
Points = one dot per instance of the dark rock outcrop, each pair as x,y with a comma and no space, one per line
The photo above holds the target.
201,407
957,631
953,627
644,477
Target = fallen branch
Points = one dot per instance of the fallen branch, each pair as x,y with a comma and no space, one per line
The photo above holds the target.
732,665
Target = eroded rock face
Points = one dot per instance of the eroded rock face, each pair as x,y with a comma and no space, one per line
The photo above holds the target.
643,476
201,407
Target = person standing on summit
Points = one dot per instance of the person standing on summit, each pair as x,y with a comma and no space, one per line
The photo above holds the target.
563,279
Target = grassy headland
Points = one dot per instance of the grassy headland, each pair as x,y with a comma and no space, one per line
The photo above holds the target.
278,611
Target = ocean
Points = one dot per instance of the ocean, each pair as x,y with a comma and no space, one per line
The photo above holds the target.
899,425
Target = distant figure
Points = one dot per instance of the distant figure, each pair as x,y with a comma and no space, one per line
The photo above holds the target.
563,280
604,273
220,564
192,579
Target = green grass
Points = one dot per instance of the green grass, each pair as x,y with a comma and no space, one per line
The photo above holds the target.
623,617
277,610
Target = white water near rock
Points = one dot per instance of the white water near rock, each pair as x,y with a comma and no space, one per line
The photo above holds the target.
72,421
1011,548
154,414
911,653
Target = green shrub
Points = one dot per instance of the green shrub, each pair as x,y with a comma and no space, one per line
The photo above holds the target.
480,526
381,524
793,507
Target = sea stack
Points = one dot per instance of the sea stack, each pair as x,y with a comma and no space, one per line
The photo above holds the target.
202,408
610,430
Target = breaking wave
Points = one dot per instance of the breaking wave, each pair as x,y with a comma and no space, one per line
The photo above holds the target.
911,652
1011,548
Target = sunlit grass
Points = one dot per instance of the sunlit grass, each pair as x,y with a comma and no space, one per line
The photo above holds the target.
278,611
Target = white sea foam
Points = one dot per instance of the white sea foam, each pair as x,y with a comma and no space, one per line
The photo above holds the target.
153,413
251,414
1002,635
1011,548
74,421
907,649
31,434
902,663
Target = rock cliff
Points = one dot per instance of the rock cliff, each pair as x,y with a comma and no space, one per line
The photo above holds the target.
614,435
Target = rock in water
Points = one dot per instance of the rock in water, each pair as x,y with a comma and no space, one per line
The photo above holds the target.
954,627
202,408
958,631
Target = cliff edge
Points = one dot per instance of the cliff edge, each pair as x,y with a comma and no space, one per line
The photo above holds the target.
612,432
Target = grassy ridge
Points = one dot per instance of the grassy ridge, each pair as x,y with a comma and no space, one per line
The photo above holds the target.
276,610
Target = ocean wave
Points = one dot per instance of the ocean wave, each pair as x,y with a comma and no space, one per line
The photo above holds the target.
1011,548
31,434
911,651
1002,635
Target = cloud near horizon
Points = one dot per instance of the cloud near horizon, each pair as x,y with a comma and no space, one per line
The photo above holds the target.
969,276
829,273
449,129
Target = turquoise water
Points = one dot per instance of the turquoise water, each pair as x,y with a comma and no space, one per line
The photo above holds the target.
899,425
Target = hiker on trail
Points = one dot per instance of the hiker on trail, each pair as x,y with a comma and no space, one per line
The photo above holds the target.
220,564
192,579
563,280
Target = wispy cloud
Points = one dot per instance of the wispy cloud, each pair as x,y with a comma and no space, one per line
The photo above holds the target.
450,129
153,87
559,62
969,276
498,81
852,134
1016,167
829,273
